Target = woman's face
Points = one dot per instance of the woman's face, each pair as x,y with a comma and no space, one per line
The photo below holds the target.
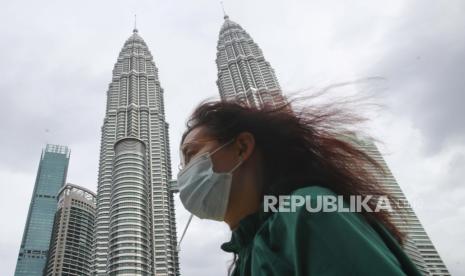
198,141
244,197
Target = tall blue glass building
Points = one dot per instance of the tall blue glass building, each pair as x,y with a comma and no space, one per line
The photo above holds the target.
51,177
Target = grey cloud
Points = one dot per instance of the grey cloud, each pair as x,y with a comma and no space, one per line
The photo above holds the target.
423,57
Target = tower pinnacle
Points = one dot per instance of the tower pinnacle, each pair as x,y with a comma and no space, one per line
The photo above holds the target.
225,16
135,24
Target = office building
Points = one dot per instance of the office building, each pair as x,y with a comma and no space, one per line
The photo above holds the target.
70,251
244,75
135,228
51,177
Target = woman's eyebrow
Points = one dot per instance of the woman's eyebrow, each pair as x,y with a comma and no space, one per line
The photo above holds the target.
185,146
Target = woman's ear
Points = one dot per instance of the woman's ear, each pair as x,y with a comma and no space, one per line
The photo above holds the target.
245,143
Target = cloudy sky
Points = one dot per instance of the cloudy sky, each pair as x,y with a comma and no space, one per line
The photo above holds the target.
57,57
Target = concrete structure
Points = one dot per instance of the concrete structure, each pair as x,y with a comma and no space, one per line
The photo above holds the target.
135,229
70,250
51,176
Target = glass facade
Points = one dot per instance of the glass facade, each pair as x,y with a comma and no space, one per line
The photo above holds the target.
51,177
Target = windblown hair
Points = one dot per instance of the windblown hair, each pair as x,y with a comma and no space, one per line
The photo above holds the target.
302,146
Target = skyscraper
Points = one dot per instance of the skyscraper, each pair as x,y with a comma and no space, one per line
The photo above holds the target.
418,245
245,76
70,250
135,230
243,73
51,176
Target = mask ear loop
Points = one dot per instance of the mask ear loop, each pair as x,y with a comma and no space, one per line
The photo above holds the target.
237,165
222,146
178,247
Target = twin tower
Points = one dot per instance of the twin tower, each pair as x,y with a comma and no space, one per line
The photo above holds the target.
135,231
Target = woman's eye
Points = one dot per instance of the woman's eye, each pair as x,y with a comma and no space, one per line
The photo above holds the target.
188,156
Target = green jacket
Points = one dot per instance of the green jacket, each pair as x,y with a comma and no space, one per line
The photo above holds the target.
324,243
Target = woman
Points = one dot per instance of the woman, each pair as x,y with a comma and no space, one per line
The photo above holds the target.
233,156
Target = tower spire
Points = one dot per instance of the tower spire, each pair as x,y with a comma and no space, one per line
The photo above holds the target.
225,16
135,24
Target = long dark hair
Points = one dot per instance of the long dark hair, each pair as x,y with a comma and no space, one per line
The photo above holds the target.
302,146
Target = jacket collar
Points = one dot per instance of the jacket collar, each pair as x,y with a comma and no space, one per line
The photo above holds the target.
244,233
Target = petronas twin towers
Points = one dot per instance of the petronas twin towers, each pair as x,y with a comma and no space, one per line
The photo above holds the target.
135,229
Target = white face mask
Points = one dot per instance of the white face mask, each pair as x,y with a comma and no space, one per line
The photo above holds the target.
203,192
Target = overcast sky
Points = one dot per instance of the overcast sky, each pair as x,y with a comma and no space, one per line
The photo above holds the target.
57,57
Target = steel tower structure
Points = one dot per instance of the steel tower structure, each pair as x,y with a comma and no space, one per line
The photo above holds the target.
245,76
418,245
243,73
135,230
